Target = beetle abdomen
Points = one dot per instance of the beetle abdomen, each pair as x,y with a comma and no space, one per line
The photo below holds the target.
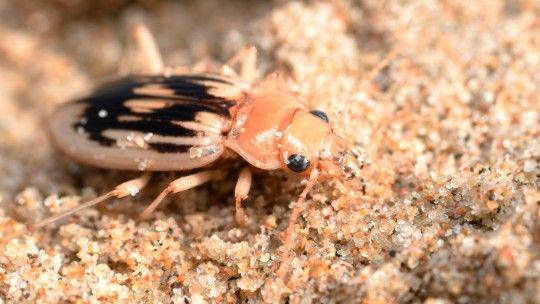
153,123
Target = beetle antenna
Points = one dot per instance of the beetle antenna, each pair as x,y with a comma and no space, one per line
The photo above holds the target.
367,79
298,208
355,167
131,187
386,61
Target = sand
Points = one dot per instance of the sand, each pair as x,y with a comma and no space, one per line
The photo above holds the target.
440,97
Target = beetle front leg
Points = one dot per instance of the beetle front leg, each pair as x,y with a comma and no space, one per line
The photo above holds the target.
179,185
240,193
298,208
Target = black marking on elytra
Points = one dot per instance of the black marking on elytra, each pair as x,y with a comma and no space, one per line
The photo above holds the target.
169,148
108,103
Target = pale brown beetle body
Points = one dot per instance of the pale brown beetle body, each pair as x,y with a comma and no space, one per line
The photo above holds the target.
166,120
150,123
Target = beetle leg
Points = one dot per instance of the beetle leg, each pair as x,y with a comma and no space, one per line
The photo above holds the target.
144,56
175,70
240,193
130,187
148,48
247,58
179,185
298,208
249,64
227,70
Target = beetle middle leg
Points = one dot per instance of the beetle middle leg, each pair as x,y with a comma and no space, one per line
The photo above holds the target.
144,56
149,48
179,185
240,193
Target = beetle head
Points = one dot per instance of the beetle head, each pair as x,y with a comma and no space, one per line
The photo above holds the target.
309,143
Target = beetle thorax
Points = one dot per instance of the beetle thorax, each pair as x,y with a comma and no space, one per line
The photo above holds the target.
272,127
259,126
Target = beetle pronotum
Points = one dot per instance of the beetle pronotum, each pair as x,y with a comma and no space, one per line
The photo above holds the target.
174,121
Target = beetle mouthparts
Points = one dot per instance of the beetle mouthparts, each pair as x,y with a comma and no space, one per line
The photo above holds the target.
352,162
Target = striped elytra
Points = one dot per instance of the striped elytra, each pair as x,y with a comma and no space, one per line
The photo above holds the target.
153,123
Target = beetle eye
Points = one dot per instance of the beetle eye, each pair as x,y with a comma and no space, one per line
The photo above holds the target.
321,115
297,163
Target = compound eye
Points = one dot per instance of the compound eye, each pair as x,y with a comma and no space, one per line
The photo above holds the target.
321,115
297,163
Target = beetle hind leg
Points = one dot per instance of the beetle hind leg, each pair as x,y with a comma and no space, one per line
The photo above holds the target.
179,185
130,187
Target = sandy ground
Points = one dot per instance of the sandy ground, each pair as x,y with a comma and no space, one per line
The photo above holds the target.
446,211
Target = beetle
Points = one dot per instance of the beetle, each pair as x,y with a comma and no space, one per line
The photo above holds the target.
167,120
